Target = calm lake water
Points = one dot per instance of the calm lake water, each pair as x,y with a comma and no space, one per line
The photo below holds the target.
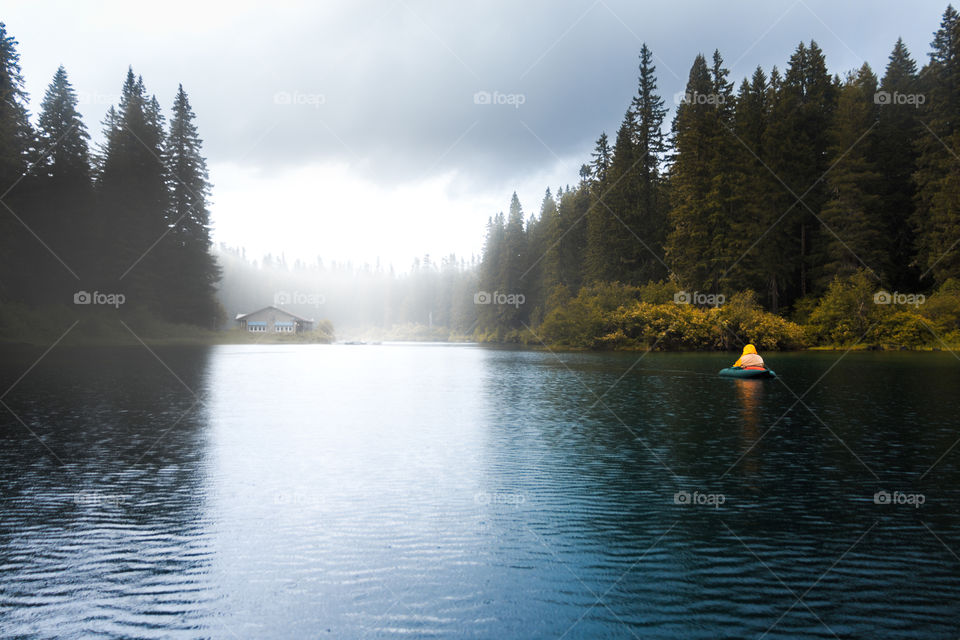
459,491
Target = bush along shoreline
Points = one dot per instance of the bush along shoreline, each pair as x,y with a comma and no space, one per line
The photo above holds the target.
853,313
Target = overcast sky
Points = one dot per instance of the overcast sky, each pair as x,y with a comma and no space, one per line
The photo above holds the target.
353,130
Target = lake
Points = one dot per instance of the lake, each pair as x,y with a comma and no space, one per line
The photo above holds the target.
458,491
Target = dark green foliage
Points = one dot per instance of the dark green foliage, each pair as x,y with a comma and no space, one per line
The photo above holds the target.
16,135
490,272
937,216
132,221
189,290
543,242
61,204
514,277
756,241
601,225
16,144
571,234
853,233
898,129
625,223
133,198
62,136
796,151
796,181
619,316
699,248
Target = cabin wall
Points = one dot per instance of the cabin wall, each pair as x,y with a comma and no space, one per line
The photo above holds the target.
271,317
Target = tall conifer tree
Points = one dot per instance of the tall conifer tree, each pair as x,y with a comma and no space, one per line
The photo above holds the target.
195,273
898,130
937,218
853,234
16,143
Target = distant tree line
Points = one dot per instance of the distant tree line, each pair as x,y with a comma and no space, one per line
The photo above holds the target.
130,217
434,299
780,186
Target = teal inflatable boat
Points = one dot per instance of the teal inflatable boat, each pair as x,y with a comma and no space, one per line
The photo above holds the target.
738,372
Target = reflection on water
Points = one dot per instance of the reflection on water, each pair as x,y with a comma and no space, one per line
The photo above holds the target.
750,394
102,523
399,490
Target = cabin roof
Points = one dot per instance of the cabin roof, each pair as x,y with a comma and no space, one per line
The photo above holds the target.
241,316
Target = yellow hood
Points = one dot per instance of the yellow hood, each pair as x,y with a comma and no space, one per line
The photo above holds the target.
748,349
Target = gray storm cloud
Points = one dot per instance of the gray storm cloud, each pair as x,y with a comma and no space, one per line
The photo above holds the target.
402,90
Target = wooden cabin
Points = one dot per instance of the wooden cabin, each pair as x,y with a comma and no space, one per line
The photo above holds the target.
273,320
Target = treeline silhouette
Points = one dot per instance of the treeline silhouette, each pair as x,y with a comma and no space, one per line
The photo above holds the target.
780,186
129,218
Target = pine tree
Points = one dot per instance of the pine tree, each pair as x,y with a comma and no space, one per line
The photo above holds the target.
697,247
723,201
190,293
537,263
625,220
572,211
600,224
514,268
619,208
602,156
62,136
547,242
773,239
133,198
853,235
898,130
937,217
16,135
490,268
16,143
755,261
789,153
649,218
64,198
796,152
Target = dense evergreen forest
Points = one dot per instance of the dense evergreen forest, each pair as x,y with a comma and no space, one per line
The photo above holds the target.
128,220
789,184
781,210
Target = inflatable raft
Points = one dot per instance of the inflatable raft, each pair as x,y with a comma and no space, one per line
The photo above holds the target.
738,372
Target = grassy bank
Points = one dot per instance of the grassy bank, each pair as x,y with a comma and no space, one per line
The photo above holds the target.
106,326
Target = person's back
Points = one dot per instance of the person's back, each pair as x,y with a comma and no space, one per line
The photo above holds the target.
749,358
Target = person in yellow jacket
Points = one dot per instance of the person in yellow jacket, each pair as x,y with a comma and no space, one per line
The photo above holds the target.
750,359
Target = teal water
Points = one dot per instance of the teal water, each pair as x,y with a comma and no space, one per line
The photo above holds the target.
459,491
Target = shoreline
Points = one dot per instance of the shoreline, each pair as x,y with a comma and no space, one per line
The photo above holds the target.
231,338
